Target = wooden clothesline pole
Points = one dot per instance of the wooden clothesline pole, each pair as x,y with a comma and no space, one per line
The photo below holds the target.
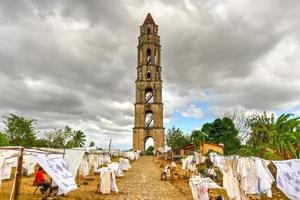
19,175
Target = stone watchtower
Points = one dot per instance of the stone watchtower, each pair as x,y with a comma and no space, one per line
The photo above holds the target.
148,116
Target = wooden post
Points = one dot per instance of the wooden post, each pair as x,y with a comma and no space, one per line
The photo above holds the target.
109,146
50,188
19,175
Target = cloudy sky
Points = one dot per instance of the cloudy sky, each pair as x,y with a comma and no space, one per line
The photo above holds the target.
73,62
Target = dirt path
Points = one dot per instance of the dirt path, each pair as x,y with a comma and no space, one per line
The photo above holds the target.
142,181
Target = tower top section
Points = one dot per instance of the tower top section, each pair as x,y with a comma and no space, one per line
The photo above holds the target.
148,27
149,20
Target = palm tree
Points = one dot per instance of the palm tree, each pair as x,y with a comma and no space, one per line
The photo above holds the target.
197,137
286,135
78,138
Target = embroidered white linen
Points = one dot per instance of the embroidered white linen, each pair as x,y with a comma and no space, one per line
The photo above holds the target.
288,177
57,168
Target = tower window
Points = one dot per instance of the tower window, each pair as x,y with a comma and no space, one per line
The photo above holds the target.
149,95
148,52
149,119
148,30
148,75
148,56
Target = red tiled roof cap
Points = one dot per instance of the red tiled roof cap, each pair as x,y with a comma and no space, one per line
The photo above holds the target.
149,19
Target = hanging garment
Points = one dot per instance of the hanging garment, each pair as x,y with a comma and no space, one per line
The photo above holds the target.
104,159
124,164
73,158
113,185
84,167
116,168
187,162
129,155
230,179
7,165
265,177
288,177
1,166
8,159
57,168
28,164
107,181
200,186
248,175
192,167
218,161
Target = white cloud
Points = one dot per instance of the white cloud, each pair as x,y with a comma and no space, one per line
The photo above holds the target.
193,111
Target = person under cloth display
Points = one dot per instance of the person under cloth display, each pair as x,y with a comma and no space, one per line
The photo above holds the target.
41,180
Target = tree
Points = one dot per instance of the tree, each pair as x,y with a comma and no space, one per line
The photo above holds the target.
59,138
149,150
223,131
175,138
42,142
78,139
3,140
197,137
19,130
239,118
262,129
92,144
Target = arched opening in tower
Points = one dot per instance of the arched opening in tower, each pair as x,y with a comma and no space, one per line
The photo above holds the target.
149,56
149,146
149,95
149,119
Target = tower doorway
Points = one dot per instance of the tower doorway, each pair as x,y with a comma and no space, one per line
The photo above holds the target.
149,146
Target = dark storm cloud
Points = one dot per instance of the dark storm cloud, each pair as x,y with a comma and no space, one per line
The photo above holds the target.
74,62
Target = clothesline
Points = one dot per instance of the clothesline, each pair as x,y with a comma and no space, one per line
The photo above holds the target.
32,150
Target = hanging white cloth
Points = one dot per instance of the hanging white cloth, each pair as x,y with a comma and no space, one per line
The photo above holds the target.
200,186
84,167
9,162
288,177
56,167
107,181
265,177
130,155
116,168
29,164
73,158
124,164
230,179
187,162
248,175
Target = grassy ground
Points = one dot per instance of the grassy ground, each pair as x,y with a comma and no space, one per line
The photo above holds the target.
84,191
